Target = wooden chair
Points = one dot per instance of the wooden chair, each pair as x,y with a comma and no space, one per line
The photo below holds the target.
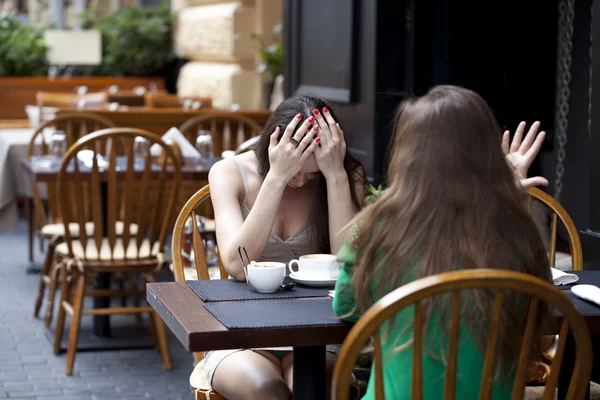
82,258
48,224
558,212
197,380
229,129
370,324
166,100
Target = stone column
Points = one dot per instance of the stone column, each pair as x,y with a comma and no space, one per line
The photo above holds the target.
215,36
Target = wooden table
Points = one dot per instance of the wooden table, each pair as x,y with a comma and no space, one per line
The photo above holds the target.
198,330
190,170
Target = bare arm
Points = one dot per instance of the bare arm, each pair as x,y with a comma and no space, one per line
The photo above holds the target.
232,230
330,159
225,187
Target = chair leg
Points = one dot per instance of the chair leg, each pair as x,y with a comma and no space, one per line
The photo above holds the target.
47,267
51,296
160,333
133,281
163,345
75,322
60,320
29,215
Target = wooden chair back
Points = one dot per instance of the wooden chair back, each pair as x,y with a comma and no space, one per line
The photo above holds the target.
75,125
146,196
229,129
558,212
166,100
189,211
495,281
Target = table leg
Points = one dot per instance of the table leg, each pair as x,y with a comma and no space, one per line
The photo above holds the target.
309,373
30,228
102,322
566,370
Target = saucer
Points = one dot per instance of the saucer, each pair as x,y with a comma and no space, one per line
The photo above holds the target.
303,280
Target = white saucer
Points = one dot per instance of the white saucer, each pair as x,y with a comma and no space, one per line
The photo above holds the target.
311,281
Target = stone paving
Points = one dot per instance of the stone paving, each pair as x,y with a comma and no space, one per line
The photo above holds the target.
30,371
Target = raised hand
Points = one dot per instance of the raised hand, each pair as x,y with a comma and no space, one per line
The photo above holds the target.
330,155
521,153
288,154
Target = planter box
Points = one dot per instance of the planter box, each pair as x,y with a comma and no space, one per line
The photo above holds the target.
17,92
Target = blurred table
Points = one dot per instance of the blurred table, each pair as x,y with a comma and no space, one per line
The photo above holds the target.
13,179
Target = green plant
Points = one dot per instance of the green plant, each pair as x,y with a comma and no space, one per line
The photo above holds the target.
22,48
271,55
372,194
136,41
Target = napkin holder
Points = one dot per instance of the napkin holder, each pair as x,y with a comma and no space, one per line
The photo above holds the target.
176,149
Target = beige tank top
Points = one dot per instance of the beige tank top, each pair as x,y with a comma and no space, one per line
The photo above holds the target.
277,249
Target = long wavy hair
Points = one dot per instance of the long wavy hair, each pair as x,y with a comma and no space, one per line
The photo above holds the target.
452,203
285,112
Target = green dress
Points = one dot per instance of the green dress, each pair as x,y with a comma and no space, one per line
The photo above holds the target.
397,366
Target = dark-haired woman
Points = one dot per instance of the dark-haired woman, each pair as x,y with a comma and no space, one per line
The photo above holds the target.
291,196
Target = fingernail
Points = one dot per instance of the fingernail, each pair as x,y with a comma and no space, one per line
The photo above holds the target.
299,116
316,112
325,110
316,128
318,140
311,119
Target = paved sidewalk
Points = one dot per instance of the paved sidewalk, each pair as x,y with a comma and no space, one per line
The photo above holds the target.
29,370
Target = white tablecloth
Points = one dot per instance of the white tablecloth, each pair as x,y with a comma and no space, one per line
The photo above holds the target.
13,180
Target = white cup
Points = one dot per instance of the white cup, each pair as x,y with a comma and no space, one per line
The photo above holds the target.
316,266
266,277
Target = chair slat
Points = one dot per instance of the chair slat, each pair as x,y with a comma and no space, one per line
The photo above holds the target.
111,217
80,204
522,367
144,213
417,372
553,239
487,375
552,382
70,132
158,209
128,196
378,360
199,250
451,370
241,135
96,199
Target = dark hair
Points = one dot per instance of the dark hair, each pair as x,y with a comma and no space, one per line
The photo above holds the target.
285,112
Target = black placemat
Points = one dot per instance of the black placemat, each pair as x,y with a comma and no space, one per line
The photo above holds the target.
274,313
230,290
585,278
585,308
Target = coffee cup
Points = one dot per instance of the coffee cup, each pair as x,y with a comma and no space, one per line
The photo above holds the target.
266,276
316,266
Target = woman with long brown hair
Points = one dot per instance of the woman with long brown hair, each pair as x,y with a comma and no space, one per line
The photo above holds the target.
289,197
453,202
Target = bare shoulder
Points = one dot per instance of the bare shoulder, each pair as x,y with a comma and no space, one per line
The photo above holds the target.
224,176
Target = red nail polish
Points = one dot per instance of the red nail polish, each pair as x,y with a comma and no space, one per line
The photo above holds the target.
318,140
316,128
299,116
311,119
316,112
325,110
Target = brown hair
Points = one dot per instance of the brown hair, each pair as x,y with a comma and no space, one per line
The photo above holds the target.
452,203
281,117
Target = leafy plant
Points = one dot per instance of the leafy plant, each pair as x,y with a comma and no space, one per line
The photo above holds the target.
271,55
136,41
22,48
373,193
